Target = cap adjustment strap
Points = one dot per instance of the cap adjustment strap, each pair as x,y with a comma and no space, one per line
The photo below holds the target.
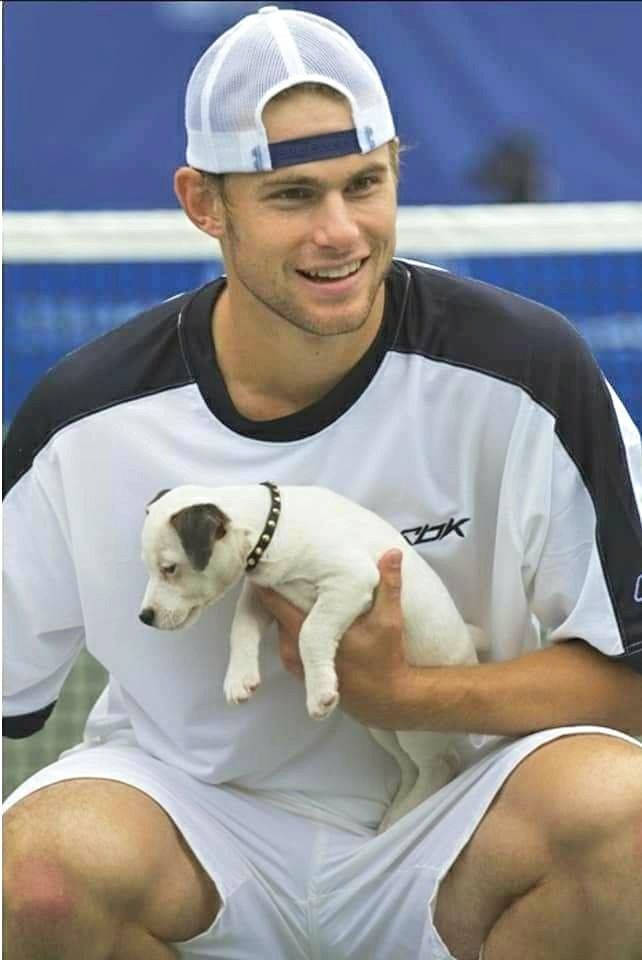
286,153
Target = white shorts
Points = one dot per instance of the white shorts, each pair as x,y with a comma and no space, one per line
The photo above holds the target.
297,886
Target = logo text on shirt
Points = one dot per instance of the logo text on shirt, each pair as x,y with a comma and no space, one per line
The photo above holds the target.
637,592
430,532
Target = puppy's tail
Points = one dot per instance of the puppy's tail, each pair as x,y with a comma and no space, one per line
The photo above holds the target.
479,639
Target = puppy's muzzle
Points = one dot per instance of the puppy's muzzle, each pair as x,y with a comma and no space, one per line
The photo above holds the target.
147,615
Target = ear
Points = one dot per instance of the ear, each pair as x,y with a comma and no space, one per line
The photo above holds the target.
161,493
201,202
199,527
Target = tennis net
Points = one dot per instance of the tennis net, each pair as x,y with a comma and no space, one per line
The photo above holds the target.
69,277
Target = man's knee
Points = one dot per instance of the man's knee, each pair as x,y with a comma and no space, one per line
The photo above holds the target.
38,887
48,912
572,808
101,854
593,823
82,832
581,790
568,801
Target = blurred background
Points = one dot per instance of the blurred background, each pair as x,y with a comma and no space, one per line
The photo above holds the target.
500,102
523,168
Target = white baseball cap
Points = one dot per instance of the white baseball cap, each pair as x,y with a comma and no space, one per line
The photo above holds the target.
263,54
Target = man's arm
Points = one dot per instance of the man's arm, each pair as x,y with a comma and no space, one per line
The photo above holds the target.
569,683
43,628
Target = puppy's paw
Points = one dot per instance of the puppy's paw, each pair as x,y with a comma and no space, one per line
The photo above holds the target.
239,688
320,706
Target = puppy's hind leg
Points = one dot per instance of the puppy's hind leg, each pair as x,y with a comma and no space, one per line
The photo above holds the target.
437,761
388,739
251,619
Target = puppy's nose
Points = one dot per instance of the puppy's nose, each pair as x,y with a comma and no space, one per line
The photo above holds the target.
147,616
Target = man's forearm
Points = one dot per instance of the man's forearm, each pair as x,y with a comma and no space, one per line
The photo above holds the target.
569,683
564,684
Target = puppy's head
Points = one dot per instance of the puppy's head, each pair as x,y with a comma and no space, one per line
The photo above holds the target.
191,554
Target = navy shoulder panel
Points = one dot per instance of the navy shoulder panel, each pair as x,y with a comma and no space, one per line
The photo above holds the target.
140,357
485,328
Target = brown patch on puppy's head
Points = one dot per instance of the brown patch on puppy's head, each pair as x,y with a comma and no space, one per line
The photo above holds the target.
198,527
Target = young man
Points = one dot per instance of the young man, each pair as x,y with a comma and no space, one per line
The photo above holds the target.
186,827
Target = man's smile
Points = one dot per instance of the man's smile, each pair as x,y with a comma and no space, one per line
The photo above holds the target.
334,272
340,279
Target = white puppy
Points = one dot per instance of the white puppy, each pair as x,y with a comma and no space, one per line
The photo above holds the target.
320,551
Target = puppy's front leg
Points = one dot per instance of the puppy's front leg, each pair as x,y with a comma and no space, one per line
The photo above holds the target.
251,619
336,609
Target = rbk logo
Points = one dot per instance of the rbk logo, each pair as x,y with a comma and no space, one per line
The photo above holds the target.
439,531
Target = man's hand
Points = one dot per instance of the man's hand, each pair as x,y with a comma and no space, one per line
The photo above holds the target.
370,661
567,683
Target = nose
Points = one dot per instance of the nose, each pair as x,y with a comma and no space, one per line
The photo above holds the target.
147,616
335,225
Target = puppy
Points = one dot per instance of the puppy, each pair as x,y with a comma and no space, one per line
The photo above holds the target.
320,551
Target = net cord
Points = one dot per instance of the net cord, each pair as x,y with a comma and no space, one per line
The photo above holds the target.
434,231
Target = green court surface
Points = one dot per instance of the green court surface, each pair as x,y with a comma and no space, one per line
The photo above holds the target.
21,758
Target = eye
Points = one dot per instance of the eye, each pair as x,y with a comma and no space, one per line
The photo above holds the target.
365,183
168,569
292,195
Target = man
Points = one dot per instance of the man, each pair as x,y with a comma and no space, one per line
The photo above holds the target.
183,826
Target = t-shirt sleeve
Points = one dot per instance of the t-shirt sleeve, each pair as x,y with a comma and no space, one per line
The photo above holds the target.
588,580
43,625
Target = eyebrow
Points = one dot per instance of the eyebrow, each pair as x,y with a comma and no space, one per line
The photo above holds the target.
300,180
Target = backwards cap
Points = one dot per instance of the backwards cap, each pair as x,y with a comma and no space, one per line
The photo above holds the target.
265,53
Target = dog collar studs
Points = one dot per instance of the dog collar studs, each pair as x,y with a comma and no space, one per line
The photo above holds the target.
269,528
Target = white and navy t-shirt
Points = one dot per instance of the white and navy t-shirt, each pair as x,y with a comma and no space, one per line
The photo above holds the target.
477,423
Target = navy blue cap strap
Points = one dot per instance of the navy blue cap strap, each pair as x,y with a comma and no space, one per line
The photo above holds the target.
286,153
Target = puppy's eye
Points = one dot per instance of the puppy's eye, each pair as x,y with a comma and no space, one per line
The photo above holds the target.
168,568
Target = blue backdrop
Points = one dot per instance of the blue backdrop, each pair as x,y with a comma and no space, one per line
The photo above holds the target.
93,119
93,98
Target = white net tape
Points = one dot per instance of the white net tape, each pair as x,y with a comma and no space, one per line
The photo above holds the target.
167,235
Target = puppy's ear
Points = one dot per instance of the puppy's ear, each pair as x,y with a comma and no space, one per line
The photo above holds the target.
161,493
199,527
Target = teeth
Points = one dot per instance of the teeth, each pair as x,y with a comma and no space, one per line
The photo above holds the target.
335,272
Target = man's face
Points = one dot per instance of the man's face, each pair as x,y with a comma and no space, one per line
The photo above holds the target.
284,227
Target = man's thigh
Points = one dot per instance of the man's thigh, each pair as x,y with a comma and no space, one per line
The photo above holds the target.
226,871
285,880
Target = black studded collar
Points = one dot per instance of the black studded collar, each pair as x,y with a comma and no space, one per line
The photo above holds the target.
268,530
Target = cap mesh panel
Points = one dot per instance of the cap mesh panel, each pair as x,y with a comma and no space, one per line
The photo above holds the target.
239,90
245,66
346,69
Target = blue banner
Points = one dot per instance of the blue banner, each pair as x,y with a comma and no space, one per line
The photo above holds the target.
497,101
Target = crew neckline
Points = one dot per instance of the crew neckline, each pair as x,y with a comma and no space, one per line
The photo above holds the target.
195,331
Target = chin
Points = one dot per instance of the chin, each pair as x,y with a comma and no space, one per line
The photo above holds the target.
333,323
191,618
175,620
